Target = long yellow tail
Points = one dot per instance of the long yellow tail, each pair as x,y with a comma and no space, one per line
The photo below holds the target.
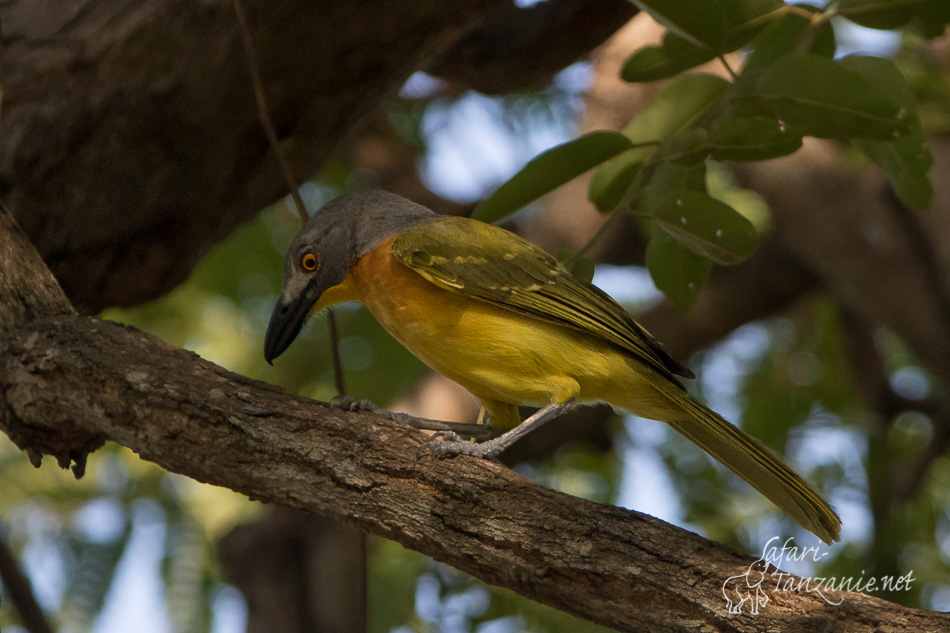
756,464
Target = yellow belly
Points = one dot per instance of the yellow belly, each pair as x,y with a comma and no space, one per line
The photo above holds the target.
495,353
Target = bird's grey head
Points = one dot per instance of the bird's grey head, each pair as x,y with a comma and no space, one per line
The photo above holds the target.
334,237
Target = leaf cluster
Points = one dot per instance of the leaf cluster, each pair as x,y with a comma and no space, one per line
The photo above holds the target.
790,86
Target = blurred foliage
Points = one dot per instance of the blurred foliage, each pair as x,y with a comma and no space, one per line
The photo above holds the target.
84,542
129,526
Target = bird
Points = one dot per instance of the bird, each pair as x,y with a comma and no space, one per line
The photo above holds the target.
500,316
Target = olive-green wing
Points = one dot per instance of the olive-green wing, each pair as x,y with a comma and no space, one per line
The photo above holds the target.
495,265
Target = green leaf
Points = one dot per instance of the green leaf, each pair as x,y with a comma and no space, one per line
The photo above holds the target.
826,99
705,25
669,177
678,272
684,103
582,268
611,180
892,14
578,265
721,25
905,160
878,14
747,18
672,57
784,36
689,147
740,138
706,226
550,170
885,75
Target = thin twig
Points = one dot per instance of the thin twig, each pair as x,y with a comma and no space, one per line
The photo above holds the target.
338,379
268,126
364,582
263,112
621,208
21,592
570,259
729,69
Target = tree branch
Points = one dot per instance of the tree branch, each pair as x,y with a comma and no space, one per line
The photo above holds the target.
21,592
68,383
129,150
27,290
71,382
524,47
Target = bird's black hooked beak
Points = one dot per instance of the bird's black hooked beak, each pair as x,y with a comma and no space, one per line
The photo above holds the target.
285,324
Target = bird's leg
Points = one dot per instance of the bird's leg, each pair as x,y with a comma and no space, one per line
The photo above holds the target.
455,429
452,444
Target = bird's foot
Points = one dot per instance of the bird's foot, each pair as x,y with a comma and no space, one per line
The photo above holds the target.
446,443
352,404
449,443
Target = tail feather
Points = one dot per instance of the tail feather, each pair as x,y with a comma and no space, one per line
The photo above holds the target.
757,465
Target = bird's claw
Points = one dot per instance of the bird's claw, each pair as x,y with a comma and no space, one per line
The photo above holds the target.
445,437
352,404
448,443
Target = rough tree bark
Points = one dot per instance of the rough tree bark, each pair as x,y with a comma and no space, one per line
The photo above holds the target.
69,383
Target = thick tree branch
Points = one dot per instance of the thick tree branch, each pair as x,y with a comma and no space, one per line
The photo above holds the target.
130,140
524,47
27,290
68,383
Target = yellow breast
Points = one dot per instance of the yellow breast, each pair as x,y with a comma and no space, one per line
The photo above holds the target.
495,353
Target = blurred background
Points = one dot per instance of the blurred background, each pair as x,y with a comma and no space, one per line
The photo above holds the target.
777,347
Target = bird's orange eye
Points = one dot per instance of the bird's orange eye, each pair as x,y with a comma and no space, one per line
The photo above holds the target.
308,262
